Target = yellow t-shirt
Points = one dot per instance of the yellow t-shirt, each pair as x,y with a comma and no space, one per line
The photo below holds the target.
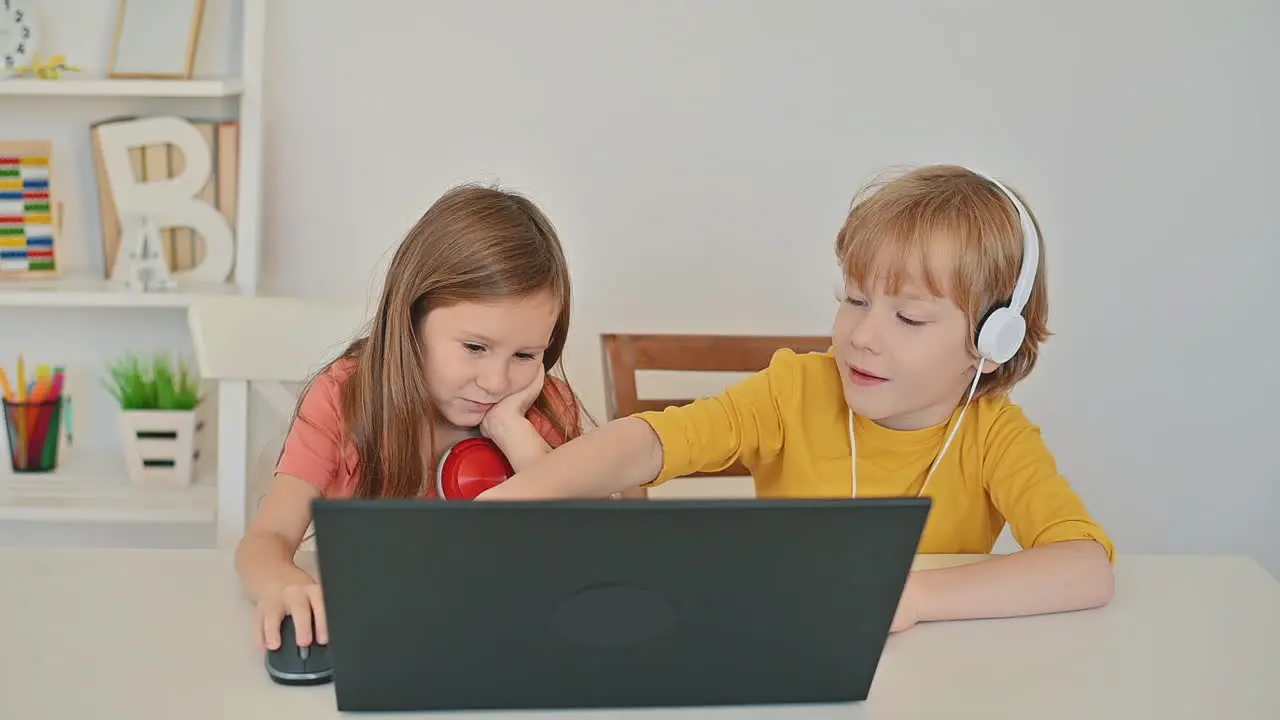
789,425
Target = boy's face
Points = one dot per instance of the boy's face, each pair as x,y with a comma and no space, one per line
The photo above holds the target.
904,359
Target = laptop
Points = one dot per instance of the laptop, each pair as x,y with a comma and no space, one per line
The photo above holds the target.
608,604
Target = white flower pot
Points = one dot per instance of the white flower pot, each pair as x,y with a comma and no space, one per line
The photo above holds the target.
159,445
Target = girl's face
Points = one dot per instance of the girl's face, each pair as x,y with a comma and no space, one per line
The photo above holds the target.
478,353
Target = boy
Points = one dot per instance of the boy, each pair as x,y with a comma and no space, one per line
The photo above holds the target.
944,310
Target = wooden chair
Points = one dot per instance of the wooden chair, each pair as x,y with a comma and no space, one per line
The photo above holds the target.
624,355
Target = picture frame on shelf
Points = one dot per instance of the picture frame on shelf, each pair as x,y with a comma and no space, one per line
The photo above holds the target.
29,214
156,39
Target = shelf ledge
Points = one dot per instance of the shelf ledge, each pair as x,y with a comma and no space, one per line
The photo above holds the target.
111,87
93,486
85,292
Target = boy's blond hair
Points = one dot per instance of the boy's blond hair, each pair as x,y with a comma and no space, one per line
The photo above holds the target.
954,231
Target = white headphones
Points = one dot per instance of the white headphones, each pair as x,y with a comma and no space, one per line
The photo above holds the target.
1003,330
1000,334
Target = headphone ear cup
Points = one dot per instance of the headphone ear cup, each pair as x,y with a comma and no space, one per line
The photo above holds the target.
1001,335
469,468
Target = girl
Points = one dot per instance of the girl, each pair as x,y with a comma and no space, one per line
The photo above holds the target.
912,398
473,314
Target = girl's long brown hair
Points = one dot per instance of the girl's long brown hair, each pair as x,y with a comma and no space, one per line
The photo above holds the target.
474,244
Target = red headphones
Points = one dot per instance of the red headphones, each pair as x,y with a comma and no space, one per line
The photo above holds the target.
469,468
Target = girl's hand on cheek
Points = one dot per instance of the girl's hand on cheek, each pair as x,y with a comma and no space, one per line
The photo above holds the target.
514,405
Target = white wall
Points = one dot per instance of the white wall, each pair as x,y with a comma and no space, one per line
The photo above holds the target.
658,134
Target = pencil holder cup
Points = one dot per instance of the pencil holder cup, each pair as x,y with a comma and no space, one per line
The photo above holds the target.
33,429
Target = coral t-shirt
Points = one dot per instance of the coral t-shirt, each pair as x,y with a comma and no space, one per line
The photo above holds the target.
316,453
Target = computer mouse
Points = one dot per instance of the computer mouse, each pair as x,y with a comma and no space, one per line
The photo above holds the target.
293,665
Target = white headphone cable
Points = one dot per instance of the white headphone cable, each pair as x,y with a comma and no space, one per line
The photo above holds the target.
853,447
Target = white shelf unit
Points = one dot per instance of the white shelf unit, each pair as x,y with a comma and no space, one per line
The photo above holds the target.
92,486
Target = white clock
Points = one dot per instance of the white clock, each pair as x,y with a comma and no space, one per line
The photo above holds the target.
19,36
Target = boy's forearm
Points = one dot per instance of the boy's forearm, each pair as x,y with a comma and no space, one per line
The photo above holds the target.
624,454
1065,576
265,563
518,440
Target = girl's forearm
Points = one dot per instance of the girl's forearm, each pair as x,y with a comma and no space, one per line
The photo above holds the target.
265,563
1064,576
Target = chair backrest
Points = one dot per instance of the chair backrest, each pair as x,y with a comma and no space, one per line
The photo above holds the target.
261,343
270,338
624,355
270,341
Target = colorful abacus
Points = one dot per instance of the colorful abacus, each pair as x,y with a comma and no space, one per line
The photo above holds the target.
26,210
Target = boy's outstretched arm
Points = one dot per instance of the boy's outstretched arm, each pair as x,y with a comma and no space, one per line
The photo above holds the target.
623,454
1059,577
742,423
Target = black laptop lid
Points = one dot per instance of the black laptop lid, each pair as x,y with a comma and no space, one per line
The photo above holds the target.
610,604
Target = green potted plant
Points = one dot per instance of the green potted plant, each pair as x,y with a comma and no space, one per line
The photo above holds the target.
158,398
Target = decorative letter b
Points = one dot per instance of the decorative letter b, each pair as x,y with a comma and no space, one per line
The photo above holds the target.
172,202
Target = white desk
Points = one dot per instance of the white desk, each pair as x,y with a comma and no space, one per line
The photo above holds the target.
1186,637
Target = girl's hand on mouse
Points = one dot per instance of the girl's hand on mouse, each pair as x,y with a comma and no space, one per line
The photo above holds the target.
301,601
515,405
